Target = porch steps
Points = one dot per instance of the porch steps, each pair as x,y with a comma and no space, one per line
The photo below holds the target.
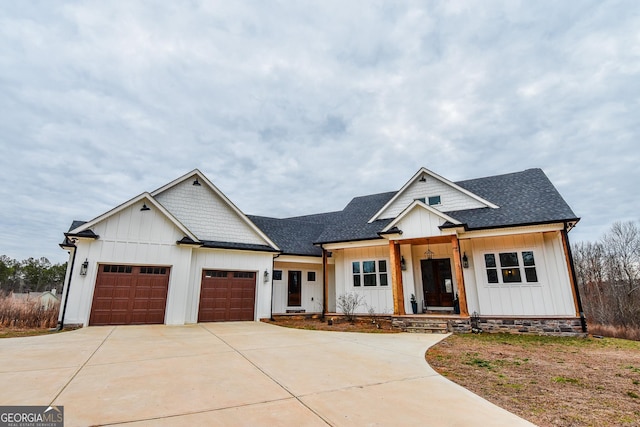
424,325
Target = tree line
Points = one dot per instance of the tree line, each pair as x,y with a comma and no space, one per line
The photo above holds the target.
30,275
608,275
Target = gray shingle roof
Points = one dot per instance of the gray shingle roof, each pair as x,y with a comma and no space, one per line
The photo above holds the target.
524,198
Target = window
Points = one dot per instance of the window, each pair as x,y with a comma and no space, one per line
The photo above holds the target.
153,270
421,199
277,274
243,274
372,273
311,276
434,200
117,269
215,273
355,267
512,265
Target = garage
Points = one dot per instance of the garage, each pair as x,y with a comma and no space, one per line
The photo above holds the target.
227,296
129,295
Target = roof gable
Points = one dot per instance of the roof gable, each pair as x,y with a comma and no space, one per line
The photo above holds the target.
419,220
202,207
425,184
144,199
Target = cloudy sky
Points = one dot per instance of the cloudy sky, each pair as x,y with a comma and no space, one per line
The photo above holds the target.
293,108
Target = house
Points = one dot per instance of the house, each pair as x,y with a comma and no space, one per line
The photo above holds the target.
45,299
492,250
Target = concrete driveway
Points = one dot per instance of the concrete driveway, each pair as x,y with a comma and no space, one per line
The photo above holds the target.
243,373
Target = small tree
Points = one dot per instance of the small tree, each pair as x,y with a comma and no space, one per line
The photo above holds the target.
348,303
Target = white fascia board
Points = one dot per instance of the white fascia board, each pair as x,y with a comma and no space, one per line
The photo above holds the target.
412,206
509,231
356,244
298,259
215,189
434,175
147,198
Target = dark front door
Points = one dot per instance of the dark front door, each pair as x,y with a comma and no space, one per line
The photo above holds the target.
437,282
294,298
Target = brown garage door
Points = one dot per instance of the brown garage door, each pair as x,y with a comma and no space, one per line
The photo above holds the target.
227,295
129,295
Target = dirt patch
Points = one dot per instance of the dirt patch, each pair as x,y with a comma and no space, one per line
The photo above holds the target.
336,323
550,381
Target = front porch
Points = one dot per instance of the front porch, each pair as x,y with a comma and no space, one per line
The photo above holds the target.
428,273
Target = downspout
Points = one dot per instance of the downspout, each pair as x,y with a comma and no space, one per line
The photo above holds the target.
66,295
273,266
572,270
324,282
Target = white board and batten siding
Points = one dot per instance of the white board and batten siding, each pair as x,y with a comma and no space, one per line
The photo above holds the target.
206,214
378,297
312,291
419,222
131,237
451,199
550,296
230,260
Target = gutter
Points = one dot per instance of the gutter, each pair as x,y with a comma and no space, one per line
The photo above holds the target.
572,270
66,295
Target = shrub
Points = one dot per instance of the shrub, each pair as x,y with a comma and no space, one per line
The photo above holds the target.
15,313
348,304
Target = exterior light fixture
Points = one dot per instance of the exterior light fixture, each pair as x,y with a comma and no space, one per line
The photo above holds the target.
428,254
403,264
465,261
196,183
145,207
266,276
423,179
84,267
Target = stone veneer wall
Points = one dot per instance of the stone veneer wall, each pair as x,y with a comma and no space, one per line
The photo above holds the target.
558,326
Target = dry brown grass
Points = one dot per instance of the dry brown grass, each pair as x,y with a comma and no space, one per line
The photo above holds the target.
21,314
550,381
615,331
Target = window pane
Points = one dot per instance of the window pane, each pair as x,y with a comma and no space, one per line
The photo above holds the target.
511,275
382,266
434,200
356,280
277,274
383,280
369,279
356,267
509,259
421,199
311,276
490,260
527,258
530,273
492,275
369,267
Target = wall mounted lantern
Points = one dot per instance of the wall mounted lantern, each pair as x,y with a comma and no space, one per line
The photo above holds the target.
196,183
465,261
266,276
403,264
84,267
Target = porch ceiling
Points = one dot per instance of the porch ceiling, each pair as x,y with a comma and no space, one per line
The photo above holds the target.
425,240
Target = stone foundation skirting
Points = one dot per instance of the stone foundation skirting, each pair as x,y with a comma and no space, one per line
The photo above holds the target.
570,327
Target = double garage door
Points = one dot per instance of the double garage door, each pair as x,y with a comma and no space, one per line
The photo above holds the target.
129,295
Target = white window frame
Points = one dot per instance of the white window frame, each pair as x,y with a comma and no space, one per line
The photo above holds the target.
377,272
521,267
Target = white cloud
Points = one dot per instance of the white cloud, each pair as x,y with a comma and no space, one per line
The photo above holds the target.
294,108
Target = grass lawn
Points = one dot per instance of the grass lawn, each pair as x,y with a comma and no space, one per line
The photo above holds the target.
24,332
550,381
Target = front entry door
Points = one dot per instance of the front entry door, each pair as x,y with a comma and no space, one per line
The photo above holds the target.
294,298
437,282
